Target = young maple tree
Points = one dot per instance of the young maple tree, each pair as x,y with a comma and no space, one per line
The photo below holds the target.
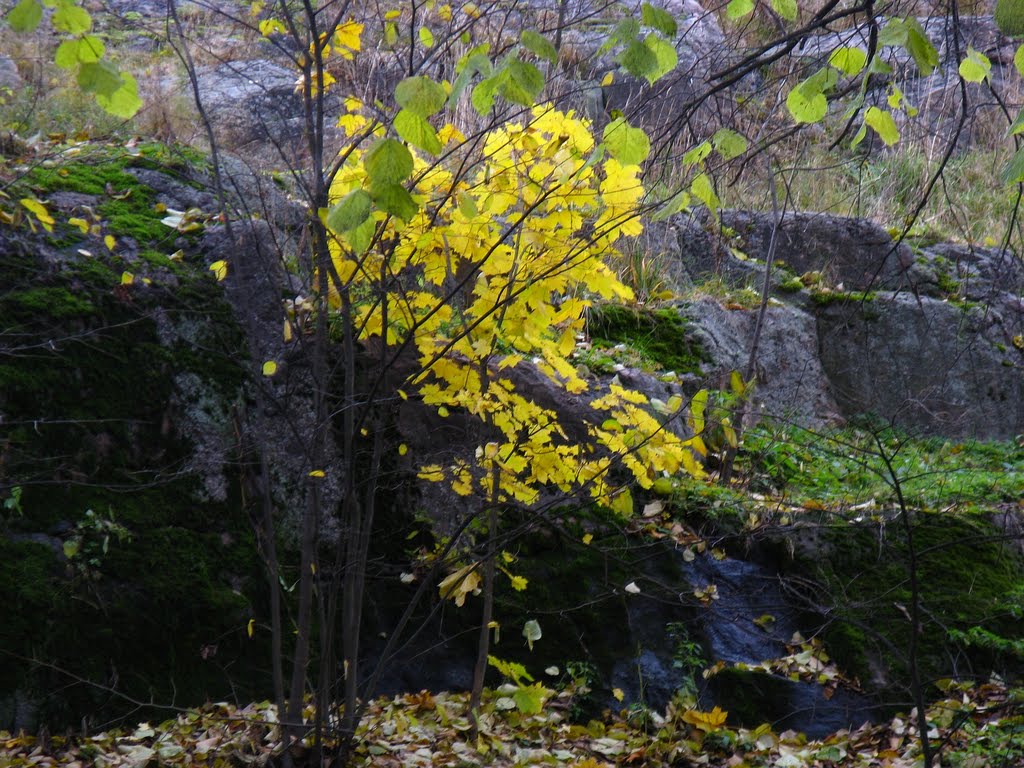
491,269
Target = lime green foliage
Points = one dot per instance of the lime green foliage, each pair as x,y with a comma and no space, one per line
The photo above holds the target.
661,337
791,285
842,466
81,53
1009,15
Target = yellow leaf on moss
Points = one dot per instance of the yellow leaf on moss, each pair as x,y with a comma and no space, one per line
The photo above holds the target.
127,278
219,269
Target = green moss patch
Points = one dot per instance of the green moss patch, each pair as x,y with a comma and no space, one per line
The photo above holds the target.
92,420
662,337
967,578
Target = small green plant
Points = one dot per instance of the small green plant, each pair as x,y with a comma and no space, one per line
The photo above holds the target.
688,656
519,694
12,504
90,542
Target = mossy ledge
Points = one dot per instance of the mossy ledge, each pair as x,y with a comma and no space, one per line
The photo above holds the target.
95,417
662,337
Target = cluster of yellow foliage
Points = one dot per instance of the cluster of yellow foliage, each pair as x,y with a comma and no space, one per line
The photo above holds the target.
496,267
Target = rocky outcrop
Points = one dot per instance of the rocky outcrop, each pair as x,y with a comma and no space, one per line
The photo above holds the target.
929,339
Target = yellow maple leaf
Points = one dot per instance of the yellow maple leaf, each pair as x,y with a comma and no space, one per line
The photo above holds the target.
706,721
348,35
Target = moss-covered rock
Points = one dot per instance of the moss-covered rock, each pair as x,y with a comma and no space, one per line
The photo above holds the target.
967,576
662,337
108,388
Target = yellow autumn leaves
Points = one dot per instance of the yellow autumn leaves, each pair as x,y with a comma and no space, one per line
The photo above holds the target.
490,259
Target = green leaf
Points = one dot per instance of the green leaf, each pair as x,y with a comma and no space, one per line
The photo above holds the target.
124,100
390,33
359,239
485,92
396,200
99,77
628,145
522,83
664,53
882,122
659,19
859,137
426,37
421,95
847,60
25,16
625,32
539,45
467,206
66,56
976,68
622,504
680,201
351,211
639,60
90,49
806,102
467,67
698,405
787,9
1018,124
513,670
921,48
729,143
71,19
530,699
1018,60
1013,172
388,162
703,190
417,131
737,9
87,49
893,33
698,154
